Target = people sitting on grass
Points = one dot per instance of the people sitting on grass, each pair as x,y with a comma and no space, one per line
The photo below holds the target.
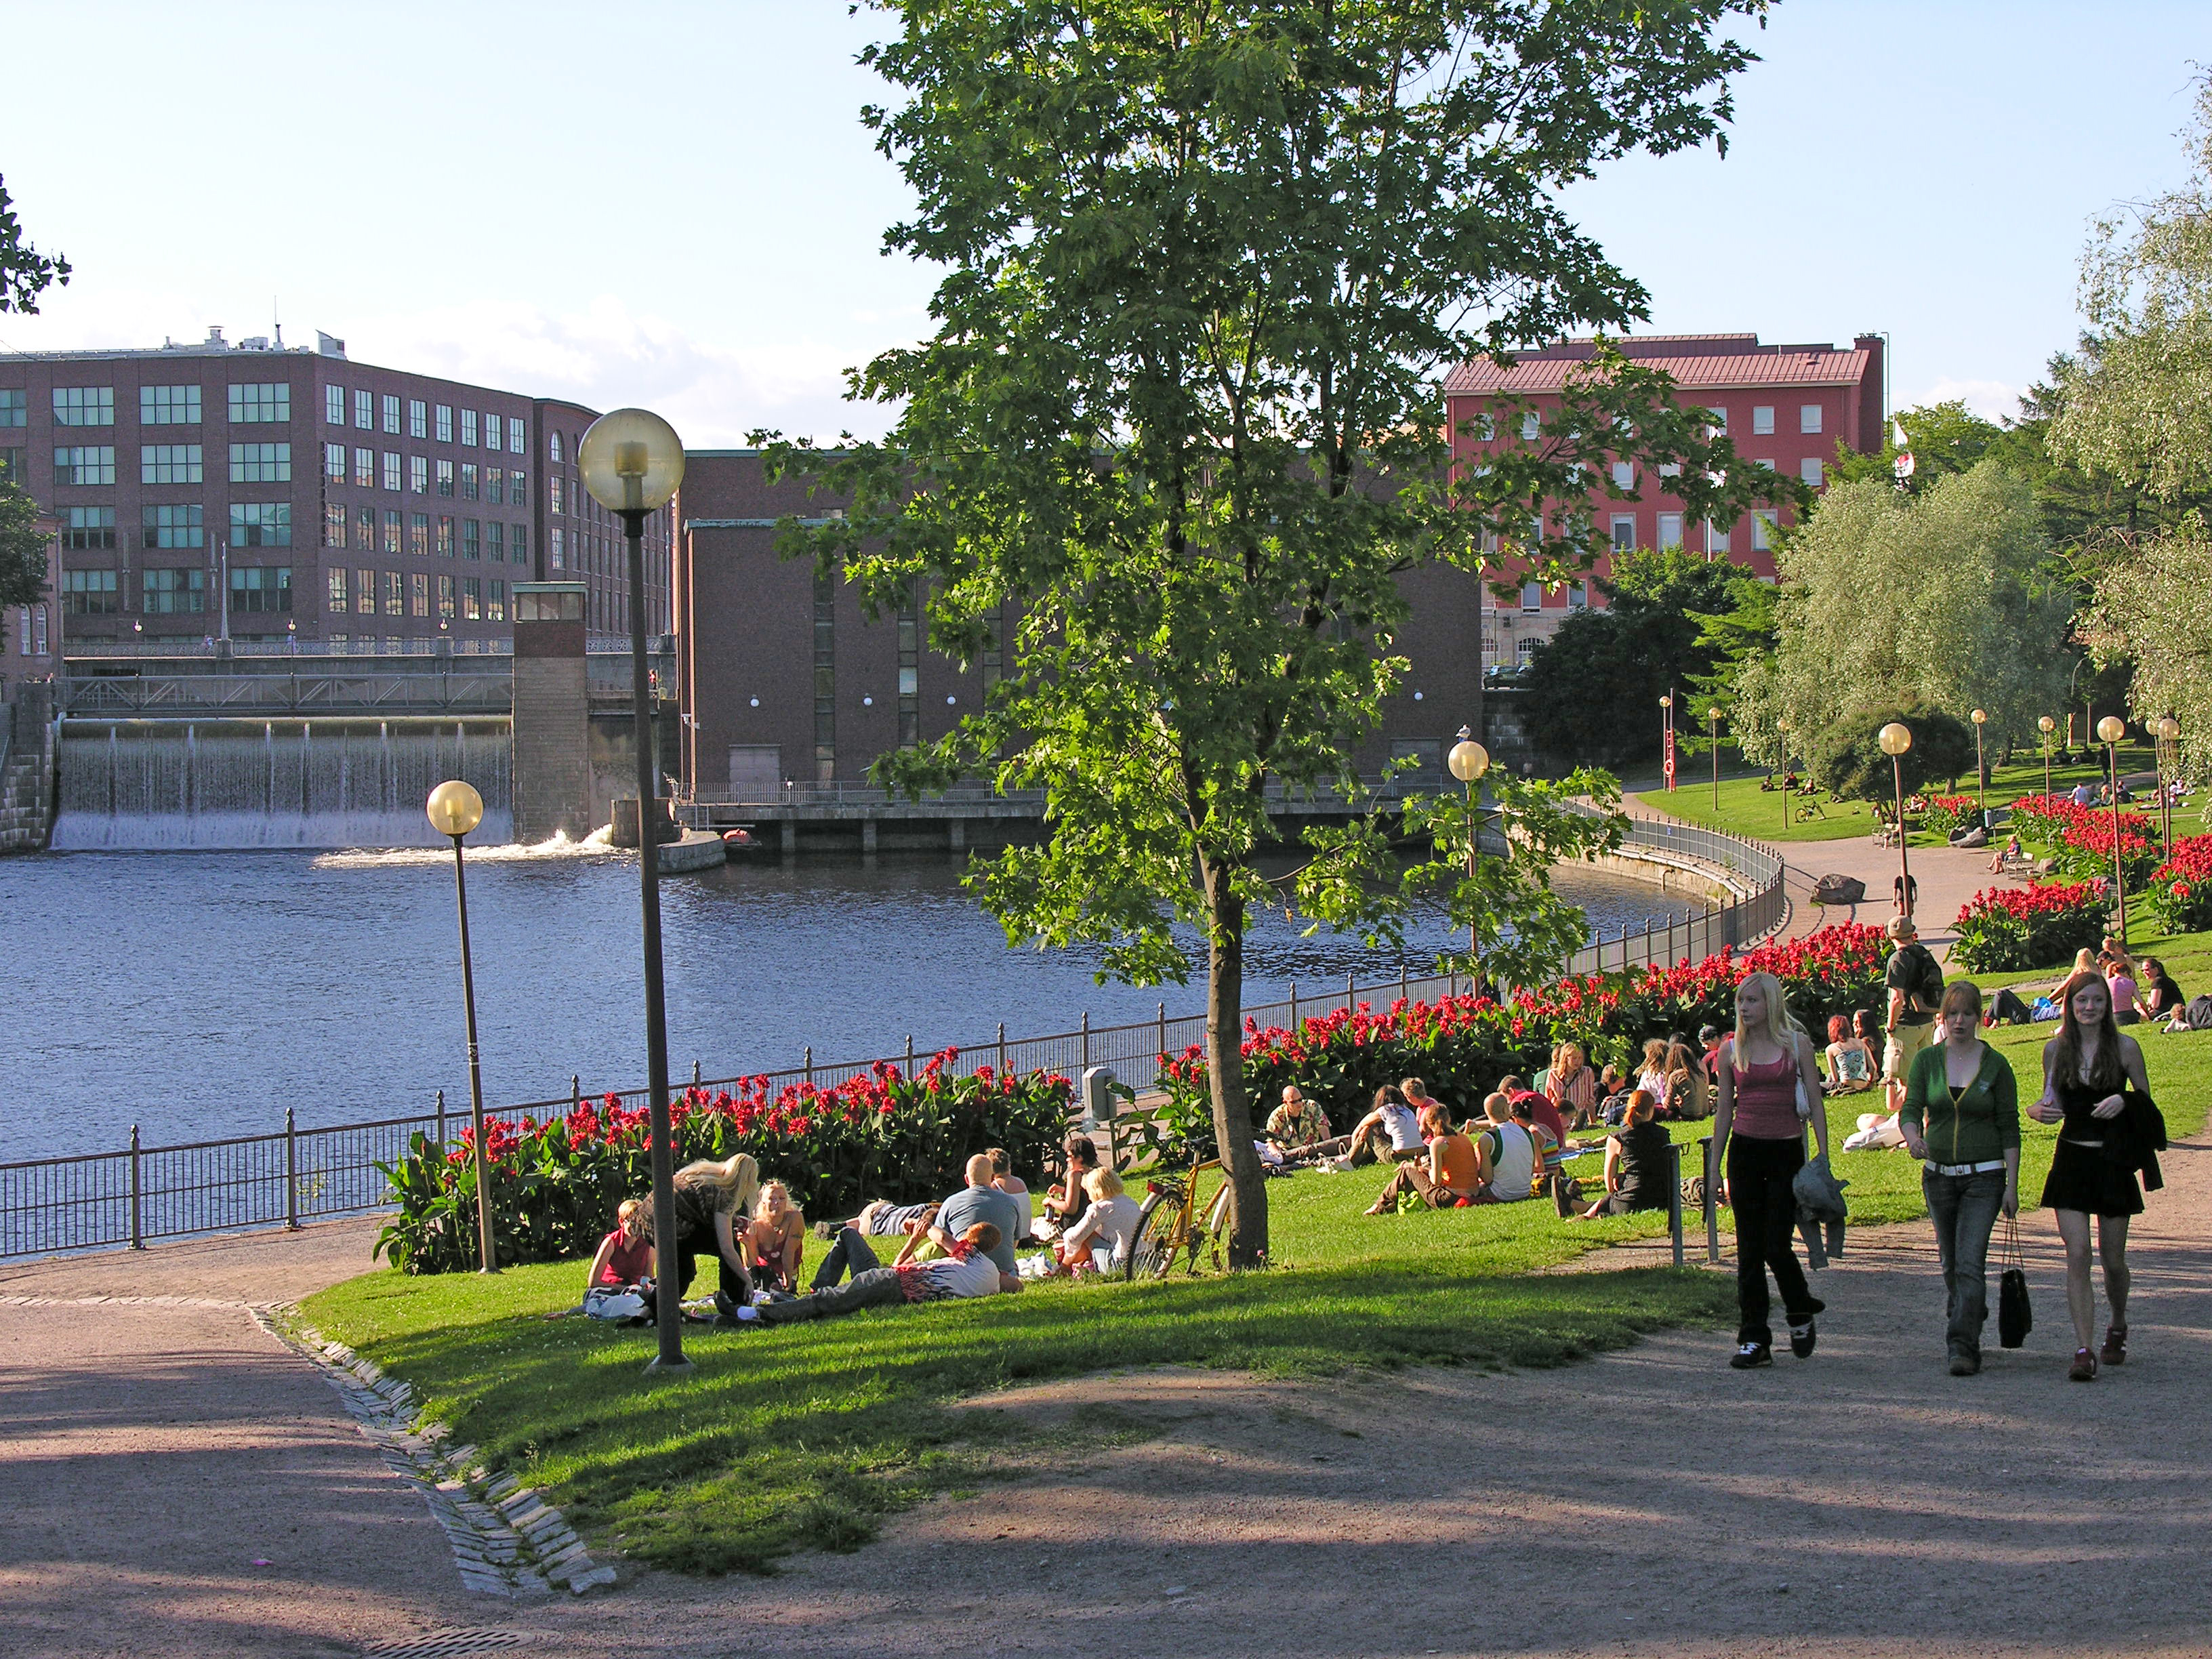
1004,1178
1450,1176
1688,1096
1102,1241
1537,1108
1848,1061
1505,1156
1298,1127
709,1196
1571,1088
979,1200
2156,991
623,1264
970,1268
1651,1075
1525,1106
1065,1201
2120,984
776,1237
1390,1124
1638,1164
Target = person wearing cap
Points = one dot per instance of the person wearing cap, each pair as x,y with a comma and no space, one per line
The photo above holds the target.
1914,985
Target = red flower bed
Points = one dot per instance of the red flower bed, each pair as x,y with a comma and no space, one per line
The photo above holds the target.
2180,890
2081,836
2004,929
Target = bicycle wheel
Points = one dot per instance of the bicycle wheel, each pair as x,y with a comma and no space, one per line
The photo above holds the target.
1152,1252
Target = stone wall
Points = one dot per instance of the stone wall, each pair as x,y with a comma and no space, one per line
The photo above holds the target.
27,783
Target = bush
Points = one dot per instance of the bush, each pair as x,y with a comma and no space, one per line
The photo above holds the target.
2081,837
2180,892
1944,813
2006,929
554,1184
1460,1046
1847,758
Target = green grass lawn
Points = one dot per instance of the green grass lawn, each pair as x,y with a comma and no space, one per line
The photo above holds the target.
803,1438
1747,810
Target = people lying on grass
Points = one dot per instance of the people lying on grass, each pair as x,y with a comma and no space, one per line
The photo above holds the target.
1447,1176
1524,1107
1004,1178
1651,1075
969,1267
2156,991
1390,1126
1687,1095
980,1201
776,1237
1064,1202
1877,1132
849,1249
1849,1064
1505,1156
1298,1127
1102,1241
709,1199
624,1261
1639,1163
1571,1088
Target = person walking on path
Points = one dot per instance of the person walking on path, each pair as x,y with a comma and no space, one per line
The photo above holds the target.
1962,1120
1913,983
2089,1069
1769,1083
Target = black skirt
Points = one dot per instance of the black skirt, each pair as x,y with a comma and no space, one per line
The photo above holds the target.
2082,1178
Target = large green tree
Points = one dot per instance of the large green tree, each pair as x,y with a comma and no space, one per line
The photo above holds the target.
25,274
1206,264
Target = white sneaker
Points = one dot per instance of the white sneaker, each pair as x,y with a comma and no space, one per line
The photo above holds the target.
1336,1165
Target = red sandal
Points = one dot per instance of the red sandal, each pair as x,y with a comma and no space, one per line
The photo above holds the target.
2084,1369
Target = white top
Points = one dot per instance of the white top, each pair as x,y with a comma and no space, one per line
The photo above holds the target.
1513,1170
1110,1227
1403,1125
977,1276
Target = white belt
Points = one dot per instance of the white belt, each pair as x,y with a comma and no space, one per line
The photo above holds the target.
1934,1168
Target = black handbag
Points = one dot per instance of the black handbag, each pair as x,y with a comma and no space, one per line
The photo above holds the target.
2015,1319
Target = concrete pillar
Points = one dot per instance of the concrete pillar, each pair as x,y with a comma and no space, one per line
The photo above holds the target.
956,833
790,829
552,719
868,835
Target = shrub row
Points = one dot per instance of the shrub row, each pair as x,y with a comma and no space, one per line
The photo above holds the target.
2005,929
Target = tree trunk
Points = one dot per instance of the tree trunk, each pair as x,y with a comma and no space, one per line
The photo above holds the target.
1225,1066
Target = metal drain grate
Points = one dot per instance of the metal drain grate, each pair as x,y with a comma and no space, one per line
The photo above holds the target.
447,1644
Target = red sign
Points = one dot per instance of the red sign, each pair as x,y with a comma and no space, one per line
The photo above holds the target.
1670,757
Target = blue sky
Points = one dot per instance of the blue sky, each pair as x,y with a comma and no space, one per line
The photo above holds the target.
674,204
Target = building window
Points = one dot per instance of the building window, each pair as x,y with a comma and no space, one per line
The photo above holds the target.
1808,418
418,534
168,405
1719,422
261,464
88,464
1762,532
13,469
471,538
1624,532
445,477
445,535
418,594
261,587
391,410
557,496
559,546
1532,597
364,411
1578,595
1531,426
495,482
87,529
261,402
1810,471
341,601
554,447
391,530
334,462
14,410
495,542
472,594
334,524
468,429
36,631
496,601
169,464
446,597
468,481
364,469
365,531
418,474
166,593
515,435
1762,420
392,470
1670,529
825,672
445,423
395,597
84,405
90,593
334,404
184,524
260,524
494,432
518,543
1623,475
518,488
1716,538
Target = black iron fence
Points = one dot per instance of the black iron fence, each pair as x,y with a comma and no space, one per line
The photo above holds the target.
140,1193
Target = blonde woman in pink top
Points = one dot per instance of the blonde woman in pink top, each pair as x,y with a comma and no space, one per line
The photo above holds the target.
1758,1138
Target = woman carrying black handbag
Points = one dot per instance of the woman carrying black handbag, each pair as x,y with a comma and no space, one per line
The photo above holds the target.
1962,1120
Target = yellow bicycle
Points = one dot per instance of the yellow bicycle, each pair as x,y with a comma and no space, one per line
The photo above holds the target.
1175,1223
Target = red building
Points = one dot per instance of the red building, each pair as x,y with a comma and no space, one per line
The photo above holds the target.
1785,406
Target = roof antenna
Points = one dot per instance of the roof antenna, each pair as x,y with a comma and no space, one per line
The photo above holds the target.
274,324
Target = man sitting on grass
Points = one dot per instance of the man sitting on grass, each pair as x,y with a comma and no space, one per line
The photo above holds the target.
981,1199
1298,1127
1505,1156
967,1270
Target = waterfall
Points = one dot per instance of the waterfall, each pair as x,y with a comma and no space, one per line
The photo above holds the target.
154,784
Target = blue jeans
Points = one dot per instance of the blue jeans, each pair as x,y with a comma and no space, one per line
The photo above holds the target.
869,1287
1964,1211
852,1251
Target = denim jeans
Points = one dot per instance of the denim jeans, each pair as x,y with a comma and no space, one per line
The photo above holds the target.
853,1251
1964,1210
869,1287
1759,1176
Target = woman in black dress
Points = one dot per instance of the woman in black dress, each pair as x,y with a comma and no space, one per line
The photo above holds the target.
2085,1068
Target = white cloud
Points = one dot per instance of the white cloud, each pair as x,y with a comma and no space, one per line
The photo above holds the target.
1992,399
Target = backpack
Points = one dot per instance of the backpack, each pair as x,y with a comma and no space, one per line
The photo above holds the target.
1927,980
2199,1014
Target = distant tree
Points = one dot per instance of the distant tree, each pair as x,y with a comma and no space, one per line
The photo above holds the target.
22,548
1846,756
2153,611
24,273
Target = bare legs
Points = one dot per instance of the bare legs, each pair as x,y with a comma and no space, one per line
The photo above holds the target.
2081,1296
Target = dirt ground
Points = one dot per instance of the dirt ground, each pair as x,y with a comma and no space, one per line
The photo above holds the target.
1650,1502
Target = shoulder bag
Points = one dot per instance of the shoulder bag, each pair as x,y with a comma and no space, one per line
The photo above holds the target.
2015,1319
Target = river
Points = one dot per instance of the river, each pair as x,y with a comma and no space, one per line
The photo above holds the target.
198,995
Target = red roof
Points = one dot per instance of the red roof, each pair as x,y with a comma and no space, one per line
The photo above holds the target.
1703,362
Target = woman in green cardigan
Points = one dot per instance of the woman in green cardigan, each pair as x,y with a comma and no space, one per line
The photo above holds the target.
1961,1119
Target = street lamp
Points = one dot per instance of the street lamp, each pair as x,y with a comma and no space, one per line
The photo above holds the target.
454,809
2169,732
2110,731
2046,725
1667,737
1469,761
1713,717
1782,725
632,461
1981,718
1896,739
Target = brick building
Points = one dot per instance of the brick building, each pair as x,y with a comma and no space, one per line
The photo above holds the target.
272,494
1785,406
782,677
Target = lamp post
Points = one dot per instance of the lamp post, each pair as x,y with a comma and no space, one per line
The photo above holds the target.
2110,731
1781,725
2168,731
632,461
1469,761
454,809
2046,725
1981,718
1667,737
1713,719
1896,739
